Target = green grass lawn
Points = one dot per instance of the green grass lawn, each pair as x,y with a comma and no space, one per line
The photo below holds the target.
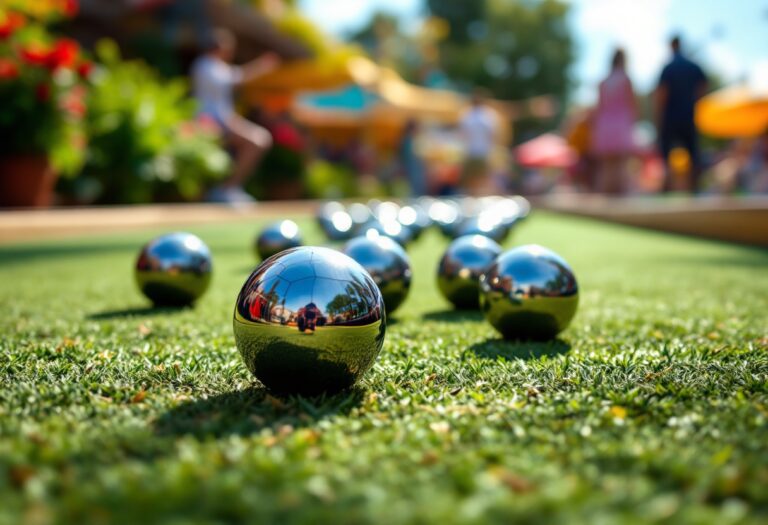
652,407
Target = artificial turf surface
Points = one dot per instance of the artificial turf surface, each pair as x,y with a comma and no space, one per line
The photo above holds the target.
652,407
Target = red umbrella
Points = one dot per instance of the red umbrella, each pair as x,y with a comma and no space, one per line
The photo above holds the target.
546,151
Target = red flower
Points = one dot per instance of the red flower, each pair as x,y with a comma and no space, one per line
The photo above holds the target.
43,92
11,22
64,54
70,7
35,54
84,69
288,136
8,69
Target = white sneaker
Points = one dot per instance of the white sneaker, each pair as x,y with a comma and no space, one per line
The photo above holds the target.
229,195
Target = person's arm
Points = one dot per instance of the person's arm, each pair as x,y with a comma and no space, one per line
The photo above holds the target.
660,97
258,67
701,85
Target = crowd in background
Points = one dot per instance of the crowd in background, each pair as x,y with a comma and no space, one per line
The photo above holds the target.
605,138
611,160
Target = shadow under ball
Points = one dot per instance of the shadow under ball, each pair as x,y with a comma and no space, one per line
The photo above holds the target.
387,263
277,237
174,269
460,268
529,292
309,320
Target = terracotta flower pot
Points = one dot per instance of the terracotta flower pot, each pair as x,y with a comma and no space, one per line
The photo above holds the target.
26,181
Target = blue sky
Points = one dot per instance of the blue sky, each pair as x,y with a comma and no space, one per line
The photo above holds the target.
729,37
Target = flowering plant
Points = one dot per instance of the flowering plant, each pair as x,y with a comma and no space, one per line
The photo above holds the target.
42,83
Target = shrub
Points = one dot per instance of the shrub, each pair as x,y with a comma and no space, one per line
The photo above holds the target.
144,143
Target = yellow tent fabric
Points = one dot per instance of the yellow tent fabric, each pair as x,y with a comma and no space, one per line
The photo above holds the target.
314,75
733,112
399,96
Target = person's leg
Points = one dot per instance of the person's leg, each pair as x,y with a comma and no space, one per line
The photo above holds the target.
690,141
606,174
623,182
251,142
666,138
614,175
600,174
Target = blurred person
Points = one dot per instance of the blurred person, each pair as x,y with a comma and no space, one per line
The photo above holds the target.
410,163
681,84
612,127
479,129
214,80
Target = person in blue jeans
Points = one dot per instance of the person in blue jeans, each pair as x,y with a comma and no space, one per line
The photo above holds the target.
681,84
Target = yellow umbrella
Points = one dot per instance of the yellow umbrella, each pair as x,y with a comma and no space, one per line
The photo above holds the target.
733,112
315,75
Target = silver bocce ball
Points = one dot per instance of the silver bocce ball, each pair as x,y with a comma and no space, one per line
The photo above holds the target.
460,268
277,237
387,263
309,320
174,269
529,292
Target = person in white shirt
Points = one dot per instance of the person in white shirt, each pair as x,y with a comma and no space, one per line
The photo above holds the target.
214,80
479,128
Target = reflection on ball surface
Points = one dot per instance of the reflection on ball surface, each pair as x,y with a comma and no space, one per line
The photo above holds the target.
484,224
174,269
387,263
335,221
461,266
392,229
277,237
529,292
309,320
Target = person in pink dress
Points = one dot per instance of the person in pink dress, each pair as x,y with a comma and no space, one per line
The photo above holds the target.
612,127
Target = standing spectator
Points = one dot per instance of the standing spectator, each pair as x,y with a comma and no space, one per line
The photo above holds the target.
410,163
612,127
681,84
479,128
214,80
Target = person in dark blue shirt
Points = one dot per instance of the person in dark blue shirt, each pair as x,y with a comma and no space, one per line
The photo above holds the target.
681,84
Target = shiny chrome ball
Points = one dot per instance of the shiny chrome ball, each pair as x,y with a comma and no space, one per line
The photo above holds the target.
388,264
335,221
309,320
460,268
529,292
277,237
486,224
523,206
415,218
447,215
174,269
392,229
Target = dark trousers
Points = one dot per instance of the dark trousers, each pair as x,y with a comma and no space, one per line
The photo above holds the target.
684,135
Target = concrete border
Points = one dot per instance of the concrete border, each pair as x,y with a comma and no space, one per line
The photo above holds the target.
741,220
19,225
